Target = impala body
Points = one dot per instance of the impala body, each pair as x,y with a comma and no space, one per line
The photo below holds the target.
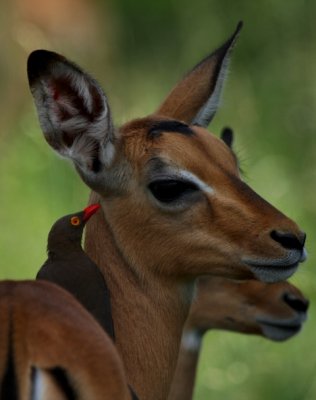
173,205
51,348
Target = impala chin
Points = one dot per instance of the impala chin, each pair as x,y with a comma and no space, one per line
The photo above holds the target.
280,329
275,270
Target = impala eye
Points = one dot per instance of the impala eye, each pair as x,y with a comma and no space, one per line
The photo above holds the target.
169,190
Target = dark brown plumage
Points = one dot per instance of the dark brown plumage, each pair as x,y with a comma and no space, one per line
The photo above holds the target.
70,267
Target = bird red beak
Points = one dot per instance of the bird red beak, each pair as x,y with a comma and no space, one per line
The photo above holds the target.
89,211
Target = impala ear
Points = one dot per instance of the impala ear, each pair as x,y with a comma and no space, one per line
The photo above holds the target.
195,99
73,112
227,136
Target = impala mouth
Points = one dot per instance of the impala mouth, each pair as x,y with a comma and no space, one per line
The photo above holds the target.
277,270
271,273
280,330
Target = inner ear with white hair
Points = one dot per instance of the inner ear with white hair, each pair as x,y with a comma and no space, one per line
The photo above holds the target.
74,114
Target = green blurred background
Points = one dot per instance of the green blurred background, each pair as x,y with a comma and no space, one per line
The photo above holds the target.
138,50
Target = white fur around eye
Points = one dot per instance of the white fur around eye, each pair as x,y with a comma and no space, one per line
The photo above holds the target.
188,176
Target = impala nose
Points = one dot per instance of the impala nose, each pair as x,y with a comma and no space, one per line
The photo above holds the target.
289,240
298,304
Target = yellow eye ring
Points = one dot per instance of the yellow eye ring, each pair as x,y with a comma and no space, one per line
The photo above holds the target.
75,221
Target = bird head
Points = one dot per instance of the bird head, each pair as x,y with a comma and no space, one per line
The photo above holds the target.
80,219
70,227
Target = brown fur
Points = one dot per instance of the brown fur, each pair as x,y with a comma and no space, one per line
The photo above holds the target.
49,329
233,306
150,253
243,301
158,256
148,321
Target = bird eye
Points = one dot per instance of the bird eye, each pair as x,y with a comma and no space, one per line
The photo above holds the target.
75,221
170,190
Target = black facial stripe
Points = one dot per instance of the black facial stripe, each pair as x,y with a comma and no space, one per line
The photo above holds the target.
169,126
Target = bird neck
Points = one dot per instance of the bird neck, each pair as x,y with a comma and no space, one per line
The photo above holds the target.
64,248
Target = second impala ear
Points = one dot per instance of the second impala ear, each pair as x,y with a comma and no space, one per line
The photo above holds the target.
195,99
73,111
227,136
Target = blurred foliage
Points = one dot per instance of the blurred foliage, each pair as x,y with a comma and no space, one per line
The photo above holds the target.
138,50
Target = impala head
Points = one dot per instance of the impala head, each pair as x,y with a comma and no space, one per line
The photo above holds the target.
166,184
276,311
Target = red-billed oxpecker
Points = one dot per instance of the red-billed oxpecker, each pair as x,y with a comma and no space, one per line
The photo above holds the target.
70,267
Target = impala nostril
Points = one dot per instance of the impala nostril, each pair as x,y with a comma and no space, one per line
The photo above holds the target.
298,304
288,240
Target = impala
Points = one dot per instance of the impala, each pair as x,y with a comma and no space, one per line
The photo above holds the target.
275,311
51,348
173,205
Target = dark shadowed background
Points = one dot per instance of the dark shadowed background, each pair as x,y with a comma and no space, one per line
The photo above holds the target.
138,50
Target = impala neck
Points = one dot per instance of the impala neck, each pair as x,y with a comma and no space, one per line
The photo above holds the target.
148,314
184,378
